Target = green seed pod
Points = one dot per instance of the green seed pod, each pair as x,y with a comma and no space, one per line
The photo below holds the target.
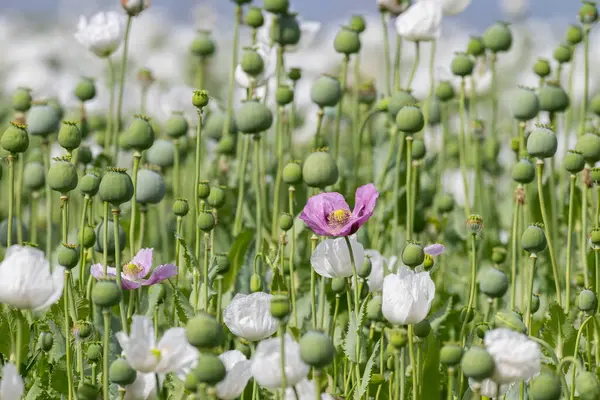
15,138
542,142
252,63
574,35
338,285
553,98
295,74
579,279
523,171
85,89
34,176
367,93
85,329
462,65
62,176
444,91
253,117
413,255
451,354
286,221
498,255
255,283
498,37
398,101
477,364
176,126
254,17
87,237
399,338
286,31
574,162
326,91
203,190
365,270
276,6
89,184
217,197
97,123
587,385
200,99
284,95
347,41
444,203
106,294
203,44
162,153
595,234
42,120
586,301
475,46
545,386
588,13
525,104
542,68
206,221
223,263
116,187
434,111
418,149
151,187
69,136
320,170
280,306
493,283
595,104
595,176
410,119
94,352
535,303
68,256
204,332
292,173
589,146
533,239
84,155
374,312
181,207
210,369
121,373
563,53
316,349
99,246
21,100
46,341
86,390
510,320
422,329
55,104
140,134
358,23
191,382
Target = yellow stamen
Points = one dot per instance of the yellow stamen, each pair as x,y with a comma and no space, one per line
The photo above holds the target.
338,217
132,269
156,353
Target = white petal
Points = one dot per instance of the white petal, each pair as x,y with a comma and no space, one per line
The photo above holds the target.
11,385
176,354
249,316
144,387
266,363
515,355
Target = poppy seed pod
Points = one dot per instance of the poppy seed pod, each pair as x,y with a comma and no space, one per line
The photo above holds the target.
204,332
213,125
280,306
451,354
226,145
69,135
210,369
525,104
588,13
286,30
162,153
586,301
542,68
87,237
253,117
316,349
587,386
200,99
21,100
116,187
284,95
106,293
15,138
34,176
462,65
498,255
276,6
254,17
176,126
365,270
523,171
367,93
358,23
94,352
151,187
89,184
84,155
410,119
545,386
574,161
398,338
292,173
205,221
444,203
563,53
418,149
338,285
574,35
42,120
181,207
295,74
203,44
140,134
498,37
326,91
320,170
475,223
399,100
422,329
110,242
216,198
413,255
444,91
542,142
533,239
595,176
68,256
62,176
475,46
46,341
203,190
477,364
493,283
595,104
223,263
535,303
85,89
347,41
286,221
121,373
589,146
252,63
553,98
510,320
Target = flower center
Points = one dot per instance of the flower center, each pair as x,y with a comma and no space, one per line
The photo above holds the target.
338,217
156,353
132,270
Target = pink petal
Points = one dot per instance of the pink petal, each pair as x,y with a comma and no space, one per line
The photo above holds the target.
161,273
128,284
366,198
435,249
318,208
97,271
143,258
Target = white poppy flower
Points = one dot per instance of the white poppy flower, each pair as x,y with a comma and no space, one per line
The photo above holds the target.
407,296
27,282
514,8
378,266
489,388
331,257
269,57
308,33
249,316
11,385
238,374
516,357
305,390
421,22
143,388
172,353
102,34
452,7
266,363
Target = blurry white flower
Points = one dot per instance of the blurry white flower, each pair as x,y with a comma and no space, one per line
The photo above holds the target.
482,76
238,374
179,99
305,390
308,32
421,22
102,34
452,7
172,353
269,57
395,7
515,355
143,388
378,266
514,8
331,258
489,388
266,363
249,316
27,282
11,385
407,296
134,7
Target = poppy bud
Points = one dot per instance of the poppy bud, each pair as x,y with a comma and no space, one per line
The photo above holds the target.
116,187
86,390
413,255
176,126
206,221
200,98
338,285
316,349
586,301
444,203
121,373
99,247
588,13
286,30
276,6
493,283
422,329
475,46
203,44
85,89
89,184
410,119
320,170
374,312
574,35
347,41
587,385
254,17
510,320
523,171
94,352
545,386
477,364
280,306
68,256
553,98
292,173
140,134
526,104
216,198
286,221
574,161
15,138
542,142
204,332
399,338
498,37
326,91
284,95
21,100
451,354
533,239
252,63
358,23
563,53
106,293
210,370
542,68
62,176
46,341
462,65
253,117
498,255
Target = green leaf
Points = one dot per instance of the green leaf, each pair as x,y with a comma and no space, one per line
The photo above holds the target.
352,335
366,378
278,284
182,307
236,257
191,263
431,369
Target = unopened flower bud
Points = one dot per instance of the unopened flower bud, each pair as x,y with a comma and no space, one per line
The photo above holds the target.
284,95
121,373
595,175
374,312
347,41
475,46
410,119
535,303
181,207
587,386
254,17
140,134
116,187
563,53
255,283
253,117
21,100
286,221
525,104
15,138
365,270
477,364
205,221
542,68
204,332
222,262
451,354
210,369
68,256
422,329
46,341
62,176
586,301
252,63
203,44
106,293
316,349
533,239
498,37
553,98
493,283
85,329
413,255
217,197
542,142
462,65
320,170
574,35
588,13
87,237
510,320
428,262
280,306
545,386
399,338
85,89
295,74
94,352
338,285
326,91
589,146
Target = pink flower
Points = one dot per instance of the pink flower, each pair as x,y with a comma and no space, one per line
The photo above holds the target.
328,214
134,273
435,249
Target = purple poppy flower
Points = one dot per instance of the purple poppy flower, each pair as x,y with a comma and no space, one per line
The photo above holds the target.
434,249
134,273
328,214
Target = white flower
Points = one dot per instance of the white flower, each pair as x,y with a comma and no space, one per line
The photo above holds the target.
515,355
308,33
249,316
134,7
305,390
102,34
331,258
407,296
11,385
378,266
482,76
27,281
143,388
421,22
238,374
489,388
266,363
172,353
269,57
178,99
514,8
452,7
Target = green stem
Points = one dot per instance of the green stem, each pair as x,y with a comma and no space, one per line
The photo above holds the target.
111,105
415,65
514,250
442,149
136,164
105,348
257,194
386,51
219,296
397,177
340,106
408,187
180,266
450,387
529,315
143,215
317,139
397,60
584,225
205,270
291,192
33,208
234,62
200,73
313,283
67,334
117,127
278,178
116,225
473,287
197,172
461,147
19,197
572,179
105,240
86,202
11,197
576,350
413,362
586,77
46,158
237,225
494,90
176,169
282,338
